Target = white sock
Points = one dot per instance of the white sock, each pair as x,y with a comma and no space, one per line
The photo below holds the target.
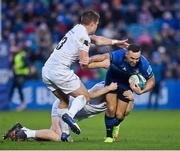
62,111
64,126
30,133
77,104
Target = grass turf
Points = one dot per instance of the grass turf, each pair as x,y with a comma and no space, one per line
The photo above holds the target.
141,130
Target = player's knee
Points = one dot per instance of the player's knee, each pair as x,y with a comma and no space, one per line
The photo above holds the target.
111,110
120,115
87,97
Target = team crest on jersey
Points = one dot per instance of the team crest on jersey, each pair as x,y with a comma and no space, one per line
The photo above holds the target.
137,71
124,68
86,43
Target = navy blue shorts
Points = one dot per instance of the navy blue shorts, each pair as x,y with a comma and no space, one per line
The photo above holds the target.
120,90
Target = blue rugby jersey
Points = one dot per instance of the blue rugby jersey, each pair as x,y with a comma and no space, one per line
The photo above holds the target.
120,71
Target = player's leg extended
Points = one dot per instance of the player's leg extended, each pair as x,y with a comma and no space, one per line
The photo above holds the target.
53,134
110,119
43,134
64,101
129,107
120,114
62,109
81,97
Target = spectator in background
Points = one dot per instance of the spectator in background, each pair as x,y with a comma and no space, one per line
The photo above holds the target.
22,20
158,70
156,8
109,30
21,72
131,14
145,17
145,39
44,40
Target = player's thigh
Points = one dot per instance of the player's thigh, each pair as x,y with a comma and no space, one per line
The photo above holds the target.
81,91
55,125
111,99
121,109
64,98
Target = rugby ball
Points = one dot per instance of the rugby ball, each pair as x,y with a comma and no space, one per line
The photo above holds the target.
139,80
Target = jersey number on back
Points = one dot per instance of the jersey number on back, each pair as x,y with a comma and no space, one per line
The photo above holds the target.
59,46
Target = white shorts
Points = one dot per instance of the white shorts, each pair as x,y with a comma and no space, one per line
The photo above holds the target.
62,78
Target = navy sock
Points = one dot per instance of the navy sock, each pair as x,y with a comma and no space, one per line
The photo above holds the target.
117,121
109,122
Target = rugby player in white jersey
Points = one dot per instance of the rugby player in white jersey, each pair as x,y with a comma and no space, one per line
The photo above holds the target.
59,131
57,73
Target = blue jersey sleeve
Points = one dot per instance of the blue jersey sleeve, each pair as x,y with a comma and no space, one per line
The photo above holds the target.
146,68
117,56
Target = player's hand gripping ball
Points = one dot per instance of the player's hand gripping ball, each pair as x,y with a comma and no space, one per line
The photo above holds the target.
138,79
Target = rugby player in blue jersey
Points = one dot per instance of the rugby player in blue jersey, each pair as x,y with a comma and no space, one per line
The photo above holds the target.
121,65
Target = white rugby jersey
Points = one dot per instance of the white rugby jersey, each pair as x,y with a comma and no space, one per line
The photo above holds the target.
68,49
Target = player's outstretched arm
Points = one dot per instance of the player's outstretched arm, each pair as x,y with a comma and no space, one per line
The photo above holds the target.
98,61
102,41
98,92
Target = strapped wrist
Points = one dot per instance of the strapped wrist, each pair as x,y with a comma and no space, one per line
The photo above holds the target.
114,42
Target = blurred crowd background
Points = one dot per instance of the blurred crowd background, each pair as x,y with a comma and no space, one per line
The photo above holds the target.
36,26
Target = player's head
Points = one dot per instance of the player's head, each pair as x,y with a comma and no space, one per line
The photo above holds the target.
133,54
90,19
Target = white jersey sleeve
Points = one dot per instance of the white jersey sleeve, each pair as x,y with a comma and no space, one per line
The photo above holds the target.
82,39
68,49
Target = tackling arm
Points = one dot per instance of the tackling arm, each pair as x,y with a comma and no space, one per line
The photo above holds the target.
98,92
102,41
83,58
98,61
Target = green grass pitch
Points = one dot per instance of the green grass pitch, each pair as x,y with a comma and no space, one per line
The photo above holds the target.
141,130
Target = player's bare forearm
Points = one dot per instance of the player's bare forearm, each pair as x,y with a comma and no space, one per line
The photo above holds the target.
102,41
98,92
149,85
99,57
98,61
101,64
94,65
99,40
